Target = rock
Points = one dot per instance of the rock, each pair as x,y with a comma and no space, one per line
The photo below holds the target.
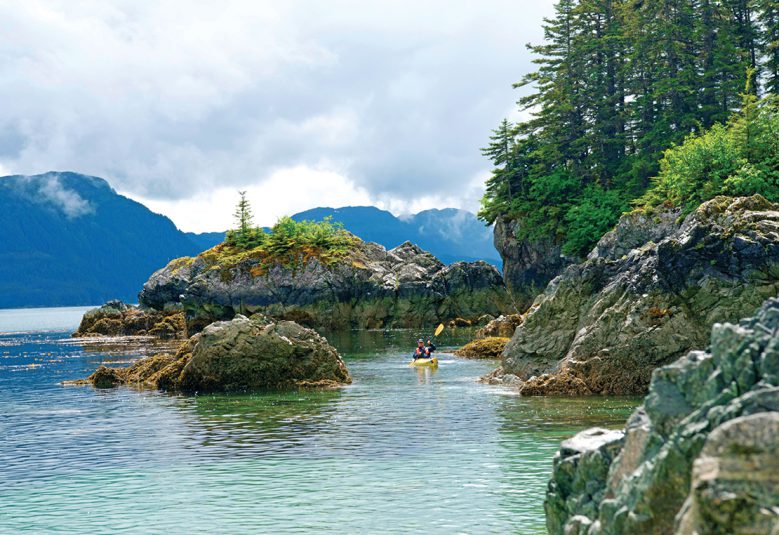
528,265
484,348
735,480
371,288
701,455
609,321
579,479
237,355
106,377
503,326
118,319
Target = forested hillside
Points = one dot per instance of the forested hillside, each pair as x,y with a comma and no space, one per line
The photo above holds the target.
618,82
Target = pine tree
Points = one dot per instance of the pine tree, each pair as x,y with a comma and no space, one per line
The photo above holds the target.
768,17
243,215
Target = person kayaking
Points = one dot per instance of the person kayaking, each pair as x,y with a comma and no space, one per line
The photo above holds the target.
421,351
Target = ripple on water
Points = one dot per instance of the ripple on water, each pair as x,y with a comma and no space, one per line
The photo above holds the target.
402,450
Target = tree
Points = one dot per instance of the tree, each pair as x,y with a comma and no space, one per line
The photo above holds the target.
243,215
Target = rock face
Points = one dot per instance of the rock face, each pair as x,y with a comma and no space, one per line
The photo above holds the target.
527,265
237,355
603,325
118,319
372,288
700,456
503,326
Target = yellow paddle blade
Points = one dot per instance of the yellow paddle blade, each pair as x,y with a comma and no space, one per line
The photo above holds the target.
439,329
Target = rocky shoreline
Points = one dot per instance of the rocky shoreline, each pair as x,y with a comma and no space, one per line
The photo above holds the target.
370,288
649,292
699,456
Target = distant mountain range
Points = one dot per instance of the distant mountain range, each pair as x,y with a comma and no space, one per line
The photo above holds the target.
71,239
450,234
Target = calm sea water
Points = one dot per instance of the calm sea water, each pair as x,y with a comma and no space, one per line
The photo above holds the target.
401,450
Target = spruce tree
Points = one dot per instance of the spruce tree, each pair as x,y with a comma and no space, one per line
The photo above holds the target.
243,215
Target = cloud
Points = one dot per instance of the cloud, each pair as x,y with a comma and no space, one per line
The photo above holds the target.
172,101
70,202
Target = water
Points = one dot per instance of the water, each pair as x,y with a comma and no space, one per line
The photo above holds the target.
401,450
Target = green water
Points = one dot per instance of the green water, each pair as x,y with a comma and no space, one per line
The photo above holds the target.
402,450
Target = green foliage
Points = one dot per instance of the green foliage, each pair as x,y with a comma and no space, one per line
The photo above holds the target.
740,158
617,83
288,242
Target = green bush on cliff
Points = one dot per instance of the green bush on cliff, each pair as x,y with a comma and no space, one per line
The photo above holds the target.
739,158
288,242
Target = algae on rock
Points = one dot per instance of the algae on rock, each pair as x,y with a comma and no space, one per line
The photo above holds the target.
237,355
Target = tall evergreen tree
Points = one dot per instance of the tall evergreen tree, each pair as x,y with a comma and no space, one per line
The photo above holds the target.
243,214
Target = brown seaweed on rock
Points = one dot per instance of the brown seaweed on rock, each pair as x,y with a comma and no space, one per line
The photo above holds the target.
237,355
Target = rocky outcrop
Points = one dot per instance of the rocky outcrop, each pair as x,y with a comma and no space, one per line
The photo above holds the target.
370,288
483,348
603,325
700,456
237,355
503,326
528,265
118,319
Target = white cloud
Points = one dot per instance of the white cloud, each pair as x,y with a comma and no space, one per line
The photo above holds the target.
70,202
172,101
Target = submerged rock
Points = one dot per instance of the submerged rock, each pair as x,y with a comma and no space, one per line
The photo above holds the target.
700,456
603,325
369,288
115,318
241,354
483,348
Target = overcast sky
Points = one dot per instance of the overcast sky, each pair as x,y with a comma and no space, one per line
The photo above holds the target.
179,104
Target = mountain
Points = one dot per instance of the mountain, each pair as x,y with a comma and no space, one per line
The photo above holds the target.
450,234
70,239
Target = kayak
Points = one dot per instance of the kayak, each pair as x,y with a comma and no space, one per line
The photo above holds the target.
424,362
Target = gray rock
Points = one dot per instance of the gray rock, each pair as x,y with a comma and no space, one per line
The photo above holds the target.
579,479
735,479
604,325
237,355
528,265
702,453
371,288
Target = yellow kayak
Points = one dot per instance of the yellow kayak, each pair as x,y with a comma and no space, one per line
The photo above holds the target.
424,362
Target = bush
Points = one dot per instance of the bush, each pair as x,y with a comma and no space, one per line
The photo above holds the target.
740,158
289,242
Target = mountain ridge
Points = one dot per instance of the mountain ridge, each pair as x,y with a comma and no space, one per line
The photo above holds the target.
72,239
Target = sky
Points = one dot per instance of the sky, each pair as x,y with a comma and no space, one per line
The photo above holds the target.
180,104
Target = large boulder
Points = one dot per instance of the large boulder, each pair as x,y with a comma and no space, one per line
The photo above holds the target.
115,318
603,325
369,288
237,355
701,455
